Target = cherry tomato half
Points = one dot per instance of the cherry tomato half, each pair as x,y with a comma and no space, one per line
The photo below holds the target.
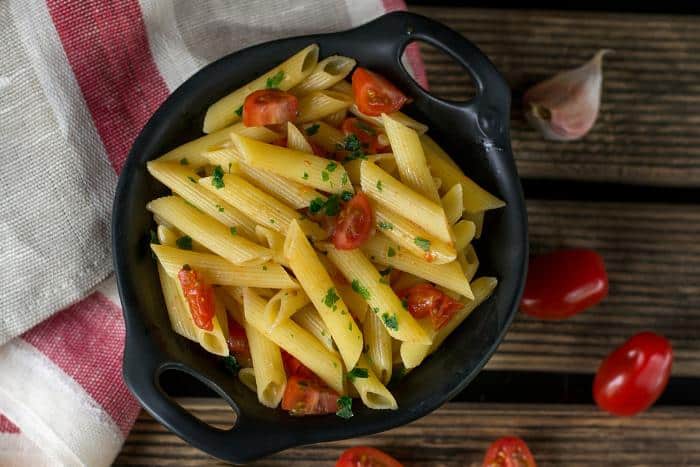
367,134
633,376
269,107
354,224
308,397
200,297
563,283
238,343
294,367
426,300
509,451
363,456
374,94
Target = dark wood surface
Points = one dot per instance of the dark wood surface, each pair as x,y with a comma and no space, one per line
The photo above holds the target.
645,146
458,434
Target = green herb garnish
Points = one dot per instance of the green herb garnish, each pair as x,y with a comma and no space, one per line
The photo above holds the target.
191,179
379,185
184,242
331,166
218,179
184,161
316,205
331,298
305,176
220,208
346,196
234,231
239,111
423,243
357,373
231,364
360,289
344,407
352,144
274,81
390,252
324,176
386,225
391,321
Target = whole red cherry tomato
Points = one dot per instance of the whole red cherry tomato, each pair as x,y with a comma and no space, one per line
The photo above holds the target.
363,456
563,283
509,451
633,376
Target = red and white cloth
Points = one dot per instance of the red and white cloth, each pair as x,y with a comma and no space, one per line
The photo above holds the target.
78,80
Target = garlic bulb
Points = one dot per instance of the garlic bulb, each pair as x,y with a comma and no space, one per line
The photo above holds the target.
565,106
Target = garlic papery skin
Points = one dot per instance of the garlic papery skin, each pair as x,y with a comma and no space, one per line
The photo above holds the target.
565,106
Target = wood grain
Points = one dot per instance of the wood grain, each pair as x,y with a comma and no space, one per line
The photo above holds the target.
652,256
648,131
459,433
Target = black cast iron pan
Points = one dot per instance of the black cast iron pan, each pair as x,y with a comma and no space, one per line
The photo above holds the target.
475,133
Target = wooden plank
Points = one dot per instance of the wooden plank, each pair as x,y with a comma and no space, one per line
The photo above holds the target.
648,131
459,433
652,255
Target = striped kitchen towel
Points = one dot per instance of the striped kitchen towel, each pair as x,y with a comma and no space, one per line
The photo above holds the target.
78,80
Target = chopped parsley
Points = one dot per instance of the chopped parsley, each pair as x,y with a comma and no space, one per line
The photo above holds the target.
330,207
404,303
384,280
379,185
344,179
344,407
231,364
386,225
346,196
264,268
184,161
184,242
305,176
272,221
391,321
390,252
375,310
313,129
324,176
239,111
220,208
331,166
218,179
234,231
229,167
423,243
360,289
357,373
316,205
191,179
352,144
331,298
274,81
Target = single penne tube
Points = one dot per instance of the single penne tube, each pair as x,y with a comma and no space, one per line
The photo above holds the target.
319,287
468,261
405,233
372,392
464,233
284,76
178,312
214,235
352,167
413,354
337,118
441,165
284,304
191,153
307,169
261,207
296,140
214,340
453,204
274,241
382,250
410,160
320,104
217,270
301,344
288,191
378,345
309,319
376,291
398,116
324,135
184,182
325,74
478,219
394,195
247,377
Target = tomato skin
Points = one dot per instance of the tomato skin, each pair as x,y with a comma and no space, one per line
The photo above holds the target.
238,342
374,94
563,283
367,134
354,224
200,297
363,456
269,107
509,451
308,397
426,300
294,367
633,376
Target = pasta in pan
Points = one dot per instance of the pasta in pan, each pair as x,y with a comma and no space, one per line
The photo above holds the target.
316,237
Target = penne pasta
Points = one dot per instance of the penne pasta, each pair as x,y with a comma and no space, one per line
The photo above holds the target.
178,312
274,241
298,342
320,104
378,345
478,219
398,116
296,140
468,261
307,169
352,167
410,160
324,135
372,392
464,233
319,287
283,305
184,182
309,319
475,198
212,234
217,270
247,377
381,299
337,118
453,204
284,76
450,275
327,72
392,194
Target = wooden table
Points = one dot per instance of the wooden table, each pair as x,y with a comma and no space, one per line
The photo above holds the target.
631,190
